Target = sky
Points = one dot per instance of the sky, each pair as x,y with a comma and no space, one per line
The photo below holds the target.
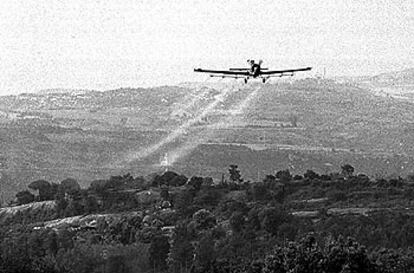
101,45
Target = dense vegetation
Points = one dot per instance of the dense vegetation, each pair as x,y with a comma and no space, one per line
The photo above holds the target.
338,222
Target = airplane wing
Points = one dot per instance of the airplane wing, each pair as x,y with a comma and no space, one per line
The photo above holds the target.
239,69
223,73
227,76
285,71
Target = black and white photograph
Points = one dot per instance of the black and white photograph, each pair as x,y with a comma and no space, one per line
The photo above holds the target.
206,136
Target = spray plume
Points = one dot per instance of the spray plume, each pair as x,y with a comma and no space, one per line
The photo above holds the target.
178,132
187,148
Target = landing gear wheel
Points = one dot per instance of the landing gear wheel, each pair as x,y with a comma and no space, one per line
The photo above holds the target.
264,80
245,80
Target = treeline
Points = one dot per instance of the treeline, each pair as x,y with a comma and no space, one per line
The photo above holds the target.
170,223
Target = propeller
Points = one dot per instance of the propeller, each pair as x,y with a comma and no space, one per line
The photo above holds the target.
260,62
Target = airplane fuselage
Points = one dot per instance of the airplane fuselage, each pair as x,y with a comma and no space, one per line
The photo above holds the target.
255,70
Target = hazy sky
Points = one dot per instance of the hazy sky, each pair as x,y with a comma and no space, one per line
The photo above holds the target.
110,44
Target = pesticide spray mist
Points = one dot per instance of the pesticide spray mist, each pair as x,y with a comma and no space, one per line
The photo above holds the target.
173,156
182,129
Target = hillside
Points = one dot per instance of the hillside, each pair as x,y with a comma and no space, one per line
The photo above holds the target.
404,77
201,129
397,84
171,223
62,91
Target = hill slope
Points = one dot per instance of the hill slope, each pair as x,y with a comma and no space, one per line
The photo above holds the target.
300,125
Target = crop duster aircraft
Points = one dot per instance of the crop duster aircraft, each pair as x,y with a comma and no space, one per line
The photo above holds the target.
254,71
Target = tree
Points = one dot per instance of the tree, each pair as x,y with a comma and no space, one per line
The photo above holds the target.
35,243
178,181
235,175
253,221
274,263
347,170
284,176
180,257
51,243
158,252
61,203
208,197
297,177
90,204
205,254
24,197
394,260
117,264
347,254
164,194
307,256
259,191
269,179
204,219
169,178
69,185
272,218
237,221
74,207
81,258
309,174
65,239
97,185
45,189
119,181
196,182
183,201
208,181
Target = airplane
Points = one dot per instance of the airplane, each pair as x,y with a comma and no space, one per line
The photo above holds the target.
254,71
